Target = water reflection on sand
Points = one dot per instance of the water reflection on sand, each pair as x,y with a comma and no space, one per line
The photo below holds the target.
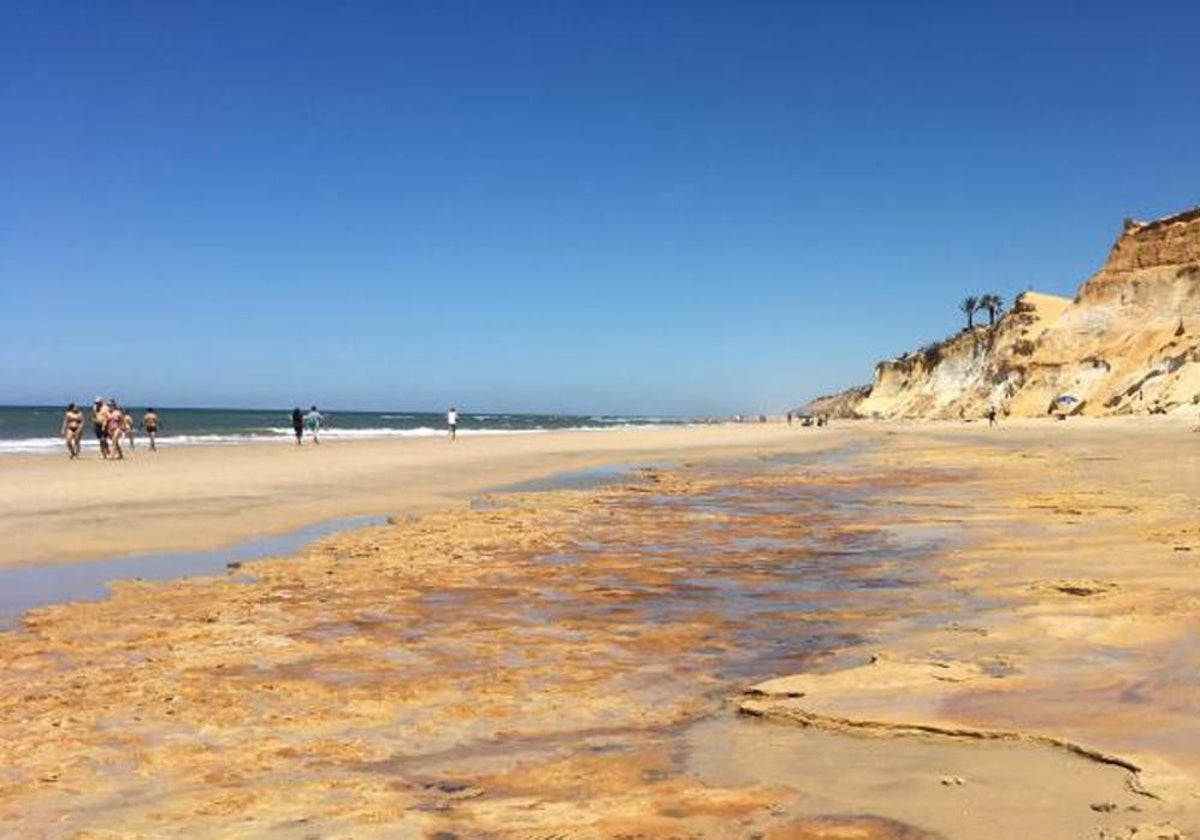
521,669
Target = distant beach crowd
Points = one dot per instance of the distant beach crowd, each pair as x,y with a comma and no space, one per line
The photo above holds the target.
114,427
111,424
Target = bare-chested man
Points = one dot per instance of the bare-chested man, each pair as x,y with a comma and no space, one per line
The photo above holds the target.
72,429
100,425
150,426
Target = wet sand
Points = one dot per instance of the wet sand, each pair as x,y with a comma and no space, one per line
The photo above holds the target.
984,633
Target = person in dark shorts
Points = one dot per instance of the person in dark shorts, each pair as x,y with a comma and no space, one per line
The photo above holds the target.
150,427
452,422
100,425
298,424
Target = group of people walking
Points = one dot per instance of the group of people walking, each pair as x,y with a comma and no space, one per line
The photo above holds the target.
111,424
114,426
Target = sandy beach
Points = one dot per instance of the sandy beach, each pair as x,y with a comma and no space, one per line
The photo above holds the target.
873,630
205,496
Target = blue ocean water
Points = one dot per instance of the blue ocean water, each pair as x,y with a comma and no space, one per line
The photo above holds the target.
33,429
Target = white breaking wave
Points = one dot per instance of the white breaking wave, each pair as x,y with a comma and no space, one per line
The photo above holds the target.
420,431
36,446
30,446
285,434
41,446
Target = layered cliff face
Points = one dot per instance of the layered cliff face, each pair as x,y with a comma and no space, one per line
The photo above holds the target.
1128,343
843,405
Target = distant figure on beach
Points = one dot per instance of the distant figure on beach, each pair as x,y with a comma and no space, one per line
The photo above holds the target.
150,427
452,422
991,416
298,424
313,421
789,418
127,427
72,429
115,426
100,425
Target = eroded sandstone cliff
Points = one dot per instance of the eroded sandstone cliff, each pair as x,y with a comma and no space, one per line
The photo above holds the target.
1128,343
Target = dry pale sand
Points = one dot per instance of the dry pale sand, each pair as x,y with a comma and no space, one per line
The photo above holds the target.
200,497
533,670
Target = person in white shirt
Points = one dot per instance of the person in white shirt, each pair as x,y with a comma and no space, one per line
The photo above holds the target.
452,421
314,420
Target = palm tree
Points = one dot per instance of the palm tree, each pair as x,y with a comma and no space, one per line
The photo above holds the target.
970,306
993,304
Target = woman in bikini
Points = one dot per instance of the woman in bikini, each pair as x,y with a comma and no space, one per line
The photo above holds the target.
72,429
115,428
127,428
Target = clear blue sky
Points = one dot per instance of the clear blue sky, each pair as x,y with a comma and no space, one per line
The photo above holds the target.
652,207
